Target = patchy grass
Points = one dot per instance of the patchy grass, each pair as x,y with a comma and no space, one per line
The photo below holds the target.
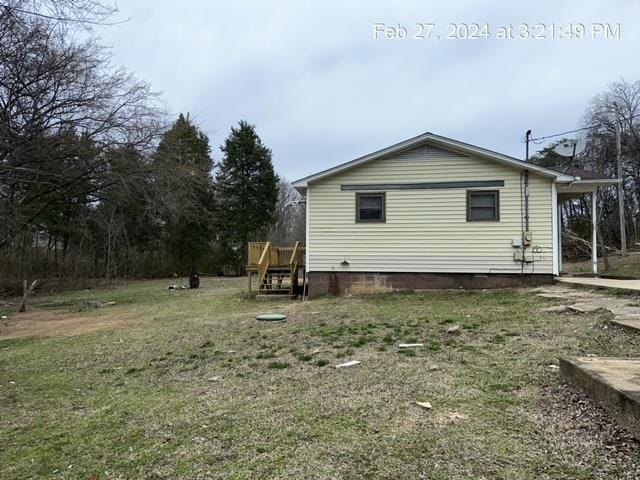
628,266
138,400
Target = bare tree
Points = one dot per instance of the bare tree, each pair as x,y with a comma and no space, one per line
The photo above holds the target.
618,108
86,13
76,137
63,107
290,216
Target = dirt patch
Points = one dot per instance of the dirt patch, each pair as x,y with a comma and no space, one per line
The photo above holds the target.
578,420
47,323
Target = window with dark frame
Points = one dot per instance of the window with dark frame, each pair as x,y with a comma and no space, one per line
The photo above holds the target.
483,206
370,208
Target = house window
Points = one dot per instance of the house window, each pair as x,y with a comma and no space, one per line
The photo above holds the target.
483,206
370,207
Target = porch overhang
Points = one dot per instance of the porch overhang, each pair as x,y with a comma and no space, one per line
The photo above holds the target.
578,187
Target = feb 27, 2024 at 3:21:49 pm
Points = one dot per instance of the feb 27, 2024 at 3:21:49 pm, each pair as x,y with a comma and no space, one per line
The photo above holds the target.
484,31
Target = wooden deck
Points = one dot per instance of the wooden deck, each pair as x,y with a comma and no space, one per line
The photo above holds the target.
278,268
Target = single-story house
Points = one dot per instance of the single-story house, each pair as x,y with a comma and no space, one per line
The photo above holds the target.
433,212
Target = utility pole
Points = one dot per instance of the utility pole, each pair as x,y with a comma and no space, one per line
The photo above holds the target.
623,233
527,139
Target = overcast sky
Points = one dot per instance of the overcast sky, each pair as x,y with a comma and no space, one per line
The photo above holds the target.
322,90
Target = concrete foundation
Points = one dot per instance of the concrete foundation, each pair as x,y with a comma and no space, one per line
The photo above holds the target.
359,283
614,382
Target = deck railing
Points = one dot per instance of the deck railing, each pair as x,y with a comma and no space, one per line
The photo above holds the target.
277,256
255,252
264,256
264,262
297,256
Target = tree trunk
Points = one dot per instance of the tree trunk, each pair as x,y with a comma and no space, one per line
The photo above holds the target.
27,291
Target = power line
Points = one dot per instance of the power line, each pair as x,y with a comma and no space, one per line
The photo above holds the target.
539,140
542,139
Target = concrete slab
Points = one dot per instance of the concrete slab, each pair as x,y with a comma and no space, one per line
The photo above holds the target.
614,382
586,307
563,294
628,323
633,285
587,301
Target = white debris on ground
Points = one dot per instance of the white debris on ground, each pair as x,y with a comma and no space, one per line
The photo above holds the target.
425,405
352,363
411,345
454,329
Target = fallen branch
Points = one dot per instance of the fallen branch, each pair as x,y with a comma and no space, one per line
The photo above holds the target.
574,237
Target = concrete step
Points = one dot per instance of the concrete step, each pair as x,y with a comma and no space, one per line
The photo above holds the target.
614,382
631,324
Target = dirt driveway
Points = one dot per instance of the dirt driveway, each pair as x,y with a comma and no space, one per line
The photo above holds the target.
48,323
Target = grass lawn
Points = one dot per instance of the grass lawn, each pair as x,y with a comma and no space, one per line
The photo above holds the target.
628,266
135,399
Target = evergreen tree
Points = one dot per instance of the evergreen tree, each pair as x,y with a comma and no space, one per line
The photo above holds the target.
247,191
184,179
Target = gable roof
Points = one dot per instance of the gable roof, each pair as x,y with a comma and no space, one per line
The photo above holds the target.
438,141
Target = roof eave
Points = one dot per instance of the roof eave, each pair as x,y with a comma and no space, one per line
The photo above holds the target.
564,178
598,181
360,160
489,154
301,189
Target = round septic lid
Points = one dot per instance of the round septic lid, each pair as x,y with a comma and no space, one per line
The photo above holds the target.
272,317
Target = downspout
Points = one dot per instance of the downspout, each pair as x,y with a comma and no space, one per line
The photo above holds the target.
526,200
526,203
305,294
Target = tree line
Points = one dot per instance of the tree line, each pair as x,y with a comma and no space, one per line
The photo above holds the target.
96,183
617,108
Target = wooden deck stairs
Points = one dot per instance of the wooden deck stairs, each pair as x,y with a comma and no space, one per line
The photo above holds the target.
280,270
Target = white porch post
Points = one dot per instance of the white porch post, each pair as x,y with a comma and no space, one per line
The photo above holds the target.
559,237
594,230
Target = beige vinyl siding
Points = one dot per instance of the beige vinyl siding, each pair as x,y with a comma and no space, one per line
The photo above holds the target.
426,230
